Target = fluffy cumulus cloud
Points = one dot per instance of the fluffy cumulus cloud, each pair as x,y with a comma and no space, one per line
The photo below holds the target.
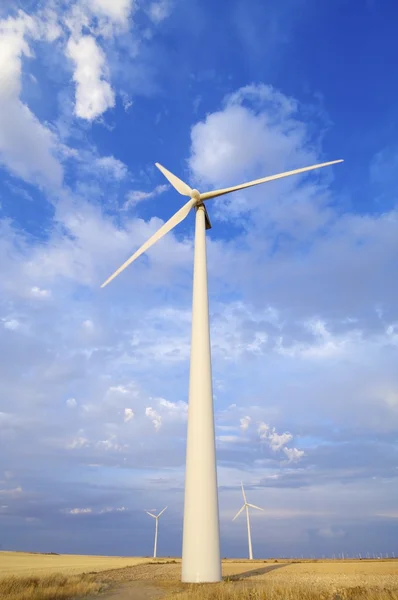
275,440
128,415
154,416
90,24
113,166
37,292
117,10
293,455
94,94
257,127
27,146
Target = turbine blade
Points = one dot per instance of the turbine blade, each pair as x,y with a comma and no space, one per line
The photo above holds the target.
179,185
239,511
254,506
170,224
162,511
150,514
208,195
243,492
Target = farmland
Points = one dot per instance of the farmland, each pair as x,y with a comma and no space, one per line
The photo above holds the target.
25,564
120,578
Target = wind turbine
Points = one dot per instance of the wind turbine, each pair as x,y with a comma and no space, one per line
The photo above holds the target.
246,506
201,561
156,517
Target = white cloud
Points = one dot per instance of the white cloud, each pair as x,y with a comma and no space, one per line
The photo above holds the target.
94,94
275,440
325,346
231,336
71,403
128,415
112,444
234,141
115,10
174,410
160,10
89,511
37,292
27,148
112,166
392,333
121,389
78,442
48,22
136,196
127,101
259,132
110,509
244,423
80,511
154,416
88,325
77,18
11,323
293,455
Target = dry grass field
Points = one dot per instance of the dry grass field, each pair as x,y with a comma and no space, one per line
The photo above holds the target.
25,576
48,587
21,563
43,577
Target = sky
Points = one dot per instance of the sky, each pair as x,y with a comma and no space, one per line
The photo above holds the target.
302,272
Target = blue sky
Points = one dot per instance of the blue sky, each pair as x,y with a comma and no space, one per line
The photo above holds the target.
302,272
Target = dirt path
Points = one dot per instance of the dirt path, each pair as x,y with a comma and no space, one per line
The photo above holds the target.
153,581
141,582
134,590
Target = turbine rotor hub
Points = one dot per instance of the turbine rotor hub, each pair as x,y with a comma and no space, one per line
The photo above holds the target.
195,195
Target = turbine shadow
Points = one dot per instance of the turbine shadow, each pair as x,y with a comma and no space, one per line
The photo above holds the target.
255,572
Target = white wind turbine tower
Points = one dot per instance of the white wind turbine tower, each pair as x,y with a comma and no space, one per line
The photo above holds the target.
156,517
201,561
246,506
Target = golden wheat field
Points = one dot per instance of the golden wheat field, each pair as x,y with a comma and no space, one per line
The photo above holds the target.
345,572
21,563
340,580
52,577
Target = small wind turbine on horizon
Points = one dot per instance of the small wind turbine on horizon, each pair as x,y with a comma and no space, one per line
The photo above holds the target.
201,560
247,506
156,517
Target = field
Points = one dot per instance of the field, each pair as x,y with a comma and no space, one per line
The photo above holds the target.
21,563
43,577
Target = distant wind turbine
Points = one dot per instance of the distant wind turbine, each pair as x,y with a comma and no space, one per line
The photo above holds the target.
247,506
201,559
156,517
